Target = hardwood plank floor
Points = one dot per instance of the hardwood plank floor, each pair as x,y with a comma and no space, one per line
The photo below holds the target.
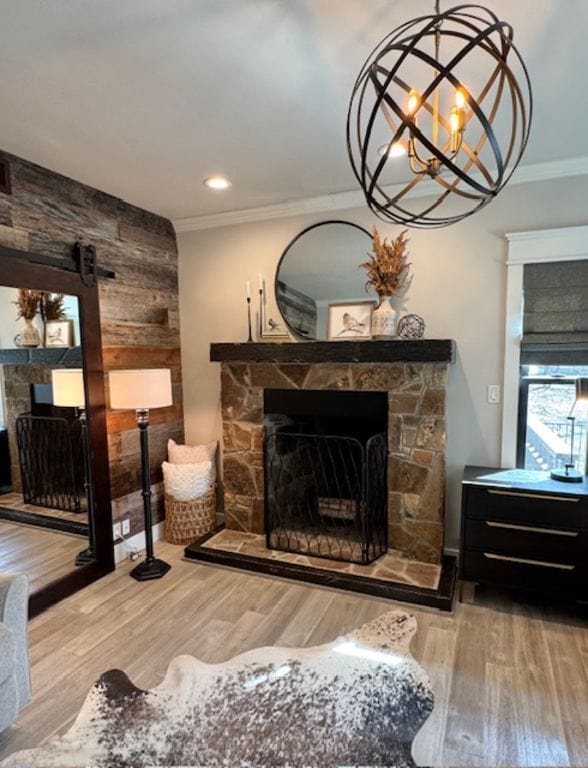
16,501
43,554
510,674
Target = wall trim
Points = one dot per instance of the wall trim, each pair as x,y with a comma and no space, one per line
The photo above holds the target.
543,245
557,169
534,246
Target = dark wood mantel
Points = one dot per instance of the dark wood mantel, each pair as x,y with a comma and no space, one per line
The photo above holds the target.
394,351
67,356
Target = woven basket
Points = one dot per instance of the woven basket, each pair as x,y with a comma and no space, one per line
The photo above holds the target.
186,521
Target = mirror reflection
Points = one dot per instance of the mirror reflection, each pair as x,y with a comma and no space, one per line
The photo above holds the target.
44,469
318,268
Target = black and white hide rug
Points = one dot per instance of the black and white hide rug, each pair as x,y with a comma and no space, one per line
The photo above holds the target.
358,701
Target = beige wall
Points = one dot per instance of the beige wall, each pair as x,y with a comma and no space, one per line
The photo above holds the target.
458,287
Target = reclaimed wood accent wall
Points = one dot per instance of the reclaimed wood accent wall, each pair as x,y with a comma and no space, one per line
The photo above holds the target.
45,213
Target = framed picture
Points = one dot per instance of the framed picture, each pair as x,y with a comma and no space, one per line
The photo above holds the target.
273,327
59,333
350,320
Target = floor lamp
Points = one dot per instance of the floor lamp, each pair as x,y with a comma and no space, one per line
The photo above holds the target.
569,474
69,392
140,390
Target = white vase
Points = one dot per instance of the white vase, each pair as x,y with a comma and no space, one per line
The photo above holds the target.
384,320
29,336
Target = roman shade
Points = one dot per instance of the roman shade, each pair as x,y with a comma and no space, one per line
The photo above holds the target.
555,317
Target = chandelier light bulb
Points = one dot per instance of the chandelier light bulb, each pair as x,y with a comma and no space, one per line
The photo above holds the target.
413,101
454,120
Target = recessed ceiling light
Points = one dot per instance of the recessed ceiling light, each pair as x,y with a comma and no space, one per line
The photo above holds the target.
217,182
397,149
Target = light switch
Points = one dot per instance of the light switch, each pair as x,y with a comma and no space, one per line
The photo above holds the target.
493,393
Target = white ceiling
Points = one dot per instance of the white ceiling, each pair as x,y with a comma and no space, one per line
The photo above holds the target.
144,98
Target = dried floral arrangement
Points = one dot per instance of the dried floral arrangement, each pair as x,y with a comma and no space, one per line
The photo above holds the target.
27,303
387,267
51,307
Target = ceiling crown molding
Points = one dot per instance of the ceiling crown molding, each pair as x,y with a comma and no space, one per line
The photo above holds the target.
338,201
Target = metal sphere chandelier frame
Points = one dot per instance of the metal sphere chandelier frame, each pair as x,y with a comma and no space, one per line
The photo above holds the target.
467,142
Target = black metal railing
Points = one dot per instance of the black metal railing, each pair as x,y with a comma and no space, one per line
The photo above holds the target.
326,496
50,461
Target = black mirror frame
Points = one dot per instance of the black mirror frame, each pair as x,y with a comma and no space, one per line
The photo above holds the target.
297,237
19,270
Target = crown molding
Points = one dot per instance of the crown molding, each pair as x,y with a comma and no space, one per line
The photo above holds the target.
338,201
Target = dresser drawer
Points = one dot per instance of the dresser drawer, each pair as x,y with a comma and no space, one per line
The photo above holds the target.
518,539
524,573
518,506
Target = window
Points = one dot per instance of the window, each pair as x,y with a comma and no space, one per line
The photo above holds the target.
554,351
547,274
547,397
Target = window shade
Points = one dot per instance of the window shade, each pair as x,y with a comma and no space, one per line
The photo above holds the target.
555,318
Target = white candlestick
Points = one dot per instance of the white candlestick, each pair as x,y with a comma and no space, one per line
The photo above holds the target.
248,289
260,282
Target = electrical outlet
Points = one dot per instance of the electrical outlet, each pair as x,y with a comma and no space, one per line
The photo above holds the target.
116,531
126,527
493,393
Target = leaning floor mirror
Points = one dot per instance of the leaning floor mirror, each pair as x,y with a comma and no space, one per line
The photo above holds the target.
55,518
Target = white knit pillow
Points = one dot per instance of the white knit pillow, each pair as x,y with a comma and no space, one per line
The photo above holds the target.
190,454
186,482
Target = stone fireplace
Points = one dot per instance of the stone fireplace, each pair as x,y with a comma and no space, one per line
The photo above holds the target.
412,374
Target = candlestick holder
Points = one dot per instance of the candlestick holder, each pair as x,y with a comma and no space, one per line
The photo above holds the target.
260,314
250,337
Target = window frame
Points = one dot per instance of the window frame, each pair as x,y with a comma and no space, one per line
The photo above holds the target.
565,244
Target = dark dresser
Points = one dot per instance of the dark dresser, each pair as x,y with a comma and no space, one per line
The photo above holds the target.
524,531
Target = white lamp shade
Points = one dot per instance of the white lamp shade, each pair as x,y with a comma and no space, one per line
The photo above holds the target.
68,387
140,389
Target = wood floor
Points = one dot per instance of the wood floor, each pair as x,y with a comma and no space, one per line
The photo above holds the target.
43,554
510,676
16,501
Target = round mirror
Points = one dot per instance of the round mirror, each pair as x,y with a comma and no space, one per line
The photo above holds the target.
321,267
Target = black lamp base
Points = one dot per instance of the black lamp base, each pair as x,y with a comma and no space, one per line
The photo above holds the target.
567,475
85,556
150,569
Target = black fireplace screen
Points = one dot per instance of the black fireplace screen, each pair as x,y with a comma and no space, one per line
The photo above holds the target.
49,450
326,496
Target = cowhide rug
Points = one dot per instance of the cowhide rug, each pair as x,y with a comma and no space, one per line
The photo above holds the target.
358,701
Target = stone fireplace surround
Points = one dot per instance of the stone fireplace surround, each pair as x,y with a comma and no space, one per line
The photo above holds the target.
413,373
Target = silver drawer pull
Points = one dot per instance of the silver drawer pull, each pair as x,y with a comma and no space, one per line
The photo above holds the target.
532,496
530,528
559,566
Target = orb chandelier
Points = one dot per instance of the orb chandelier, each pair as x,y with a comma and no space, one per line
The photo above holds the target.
444,98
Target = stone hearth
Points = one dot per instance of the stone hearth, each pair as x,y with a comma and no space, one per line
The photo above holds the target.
390,567
416,438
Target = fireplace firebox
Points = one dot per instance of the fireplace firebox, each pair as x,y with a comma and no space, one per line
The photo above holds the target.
325,462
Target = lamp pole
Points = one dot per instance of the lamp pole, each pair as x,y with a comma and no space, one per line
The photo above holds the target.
151,567
87,555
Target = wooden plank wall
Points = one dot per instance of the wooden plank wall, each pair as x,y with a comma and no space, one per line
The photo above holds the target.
45,213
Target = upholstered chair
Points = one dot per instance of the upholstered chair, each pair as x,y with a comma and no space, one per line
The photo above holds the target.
15,682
